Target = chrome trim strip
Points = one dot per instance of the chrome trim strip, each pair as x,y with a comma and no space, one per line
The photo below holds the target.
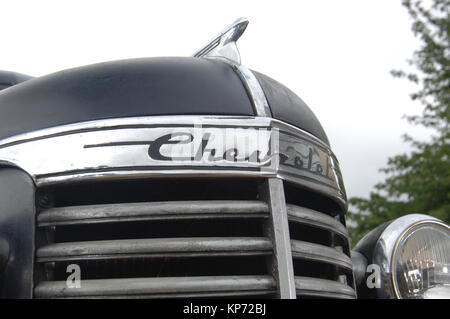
312,218
136,122
170,146
160,121
255,90
315,287
252,86
319,253
154,248
133,174
272,191
144,211
162,287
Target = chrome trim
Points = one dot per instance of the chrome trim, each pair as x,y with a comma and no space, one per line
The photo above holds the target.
272,191
385,247
313,218
144,211
323,288
254,89
131,122
320,253
162,287
119,148
154,248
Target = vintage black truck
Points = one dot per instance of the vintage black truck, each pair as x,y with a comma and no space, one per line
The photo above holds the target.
188,177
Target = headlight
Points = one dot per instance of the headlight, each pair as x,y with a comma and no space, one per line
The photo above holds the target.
413,253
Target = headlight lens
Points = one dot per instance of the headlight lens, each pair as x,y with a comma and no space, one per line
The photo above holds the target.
413,253
421,262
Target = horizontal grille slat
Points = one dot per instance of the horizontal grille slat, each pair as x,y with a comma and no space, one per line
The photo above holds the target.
319,253
193,237
313,287
314,218
152,211
160,287
156,247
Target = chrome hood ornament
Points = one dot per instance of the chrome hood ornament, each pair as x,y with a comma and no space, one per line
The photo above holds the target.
223,47
224,44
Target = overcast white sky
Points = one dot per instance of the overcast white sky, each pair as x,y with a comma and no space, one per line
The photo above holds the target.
336,55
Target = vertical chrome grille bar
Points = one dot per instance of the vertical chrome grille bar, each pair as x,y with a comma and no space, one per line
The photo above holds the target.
272,191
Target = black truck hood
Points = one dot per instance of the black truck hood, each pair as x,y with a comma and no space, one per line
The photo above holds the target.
143,87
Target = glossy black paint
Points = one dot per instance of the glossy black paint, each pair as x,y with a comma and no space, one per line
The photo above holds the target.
366,247
128,88
4,253
8,79
143,87
17,224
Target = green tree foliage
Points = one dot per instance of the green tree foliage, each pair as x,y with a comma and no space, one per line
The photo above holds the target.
418,181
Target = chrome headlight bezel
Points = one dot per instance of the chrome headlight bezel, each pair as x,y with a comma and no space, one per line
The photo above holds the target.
385,251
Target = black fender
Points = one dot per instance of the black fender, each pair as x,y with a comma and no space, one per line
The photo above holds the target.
17,233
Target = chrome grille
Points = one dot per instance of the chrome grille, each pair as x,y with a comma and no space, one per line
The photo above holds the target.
320,247
335,283
212,243
203,286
